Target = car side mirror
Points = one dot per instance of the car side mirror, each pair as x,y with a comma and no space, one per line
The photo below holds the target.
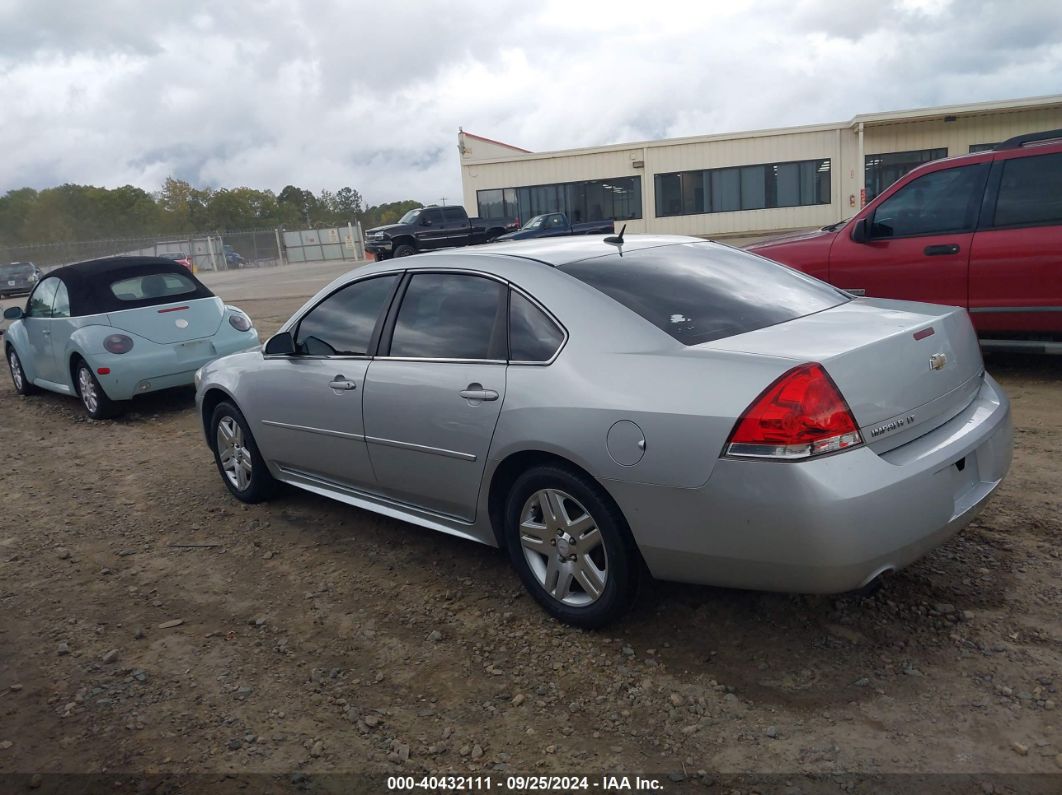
861,230
282,344
13,313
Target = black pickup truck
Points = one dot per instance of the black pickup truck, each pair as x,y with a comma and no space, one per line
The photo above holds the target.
556,225
430,228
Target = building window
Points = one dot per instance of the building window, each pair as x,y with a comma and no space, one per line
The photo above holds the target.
497,203
760,187
884,169
982,147
619,199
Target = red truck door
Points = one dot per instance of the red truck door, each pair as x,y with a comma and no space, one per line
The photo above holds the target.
916,239
1016,263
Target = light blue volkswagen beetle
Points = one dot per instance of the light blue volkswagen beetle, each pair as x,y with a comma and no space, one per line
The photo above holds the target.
110,329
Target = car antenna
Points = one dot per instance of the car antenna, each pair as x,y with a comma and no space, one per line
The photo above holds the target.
617,240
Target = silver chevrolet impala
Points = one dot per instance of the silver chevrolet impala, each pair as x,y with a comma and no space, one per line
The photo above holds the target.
597,407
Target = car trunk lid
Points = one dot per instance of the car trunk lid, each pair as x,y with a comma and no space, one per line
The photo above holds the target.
178,321
904,368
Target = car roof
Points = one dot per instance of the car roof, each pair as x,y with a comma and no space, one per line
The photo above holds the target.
86,282
559,251
106,265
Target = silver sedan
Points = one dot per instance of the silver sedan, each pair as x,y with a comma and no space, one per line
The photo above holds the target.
601,407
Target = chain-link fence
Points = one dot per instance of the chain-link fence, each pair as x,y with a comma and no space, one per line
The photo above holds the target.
255,248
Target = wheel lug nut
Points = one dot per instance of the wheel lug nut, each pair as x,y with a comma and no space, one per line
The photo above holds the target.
553,542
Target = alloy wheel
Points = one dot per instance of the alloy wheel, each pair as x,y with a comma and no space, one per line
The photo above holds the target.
87,387
563,547
16,370
234,455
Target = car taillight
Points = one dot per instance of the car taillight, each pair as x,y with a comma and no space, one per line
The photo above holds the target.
118,343
239,321
800,415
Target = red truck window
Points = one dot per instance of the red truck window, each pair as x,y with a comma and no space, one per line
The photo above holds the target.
936,203
1030,192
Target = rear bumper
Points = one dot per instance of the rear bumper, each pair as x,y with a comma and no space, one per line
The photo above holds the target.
827,525
161,367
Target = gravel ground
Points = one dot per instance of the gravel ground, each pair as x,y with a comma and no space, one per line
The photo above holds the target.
149,624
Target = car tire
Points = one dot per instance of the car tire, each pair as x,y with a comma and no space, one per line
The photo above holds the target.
94,400
405,250
239,462
18,375
579,562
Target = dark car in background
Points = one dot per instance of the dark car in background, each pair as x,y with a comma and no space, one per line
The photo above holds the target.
558,225
18,278
233,258
431,228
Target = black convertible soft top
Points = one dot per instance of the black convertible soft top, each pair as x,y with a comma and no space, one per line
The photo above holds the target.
89,283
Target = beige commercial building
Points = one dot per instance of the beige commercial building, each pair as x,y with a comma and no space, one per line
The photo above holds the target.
738,185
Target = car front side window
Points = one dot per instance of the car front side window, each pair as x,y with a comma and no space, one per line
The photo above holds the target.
936,203
61,302
451,316
344,322
40,300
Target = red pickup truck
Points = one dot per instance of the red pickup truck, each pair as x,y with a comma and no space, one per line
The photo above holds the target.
982,231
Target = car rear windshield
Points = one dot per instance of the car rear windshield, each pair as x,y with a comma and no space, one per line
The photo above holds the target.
152,286
699,292
15,269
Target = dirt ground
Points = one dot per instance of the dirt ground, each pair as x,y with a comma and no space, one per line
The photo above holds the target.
317,638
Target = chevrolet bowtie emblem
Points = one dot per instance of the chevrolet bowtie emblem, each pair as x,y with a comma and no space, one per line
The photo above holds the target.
937,361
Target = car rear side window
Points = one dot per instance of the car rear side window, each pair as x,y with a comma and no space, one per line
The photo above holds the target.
343,323
699,292
452,214
451,316
1030,192
533,337
152,286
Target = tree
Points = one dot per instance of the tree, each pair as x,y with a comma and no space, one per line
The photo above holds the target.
349,203
75,213
297,206
388,213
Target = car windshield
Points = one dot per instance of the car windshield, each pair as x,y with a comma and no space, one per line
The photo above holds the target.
699,292
148,286
535,222
16,269
409,217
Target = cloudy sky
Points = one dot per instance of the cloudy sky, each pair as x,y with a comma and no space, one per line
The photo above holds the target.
323,93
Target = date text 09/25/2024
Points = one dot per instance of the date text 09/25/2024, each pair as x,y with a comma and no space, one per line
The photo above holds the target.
517,783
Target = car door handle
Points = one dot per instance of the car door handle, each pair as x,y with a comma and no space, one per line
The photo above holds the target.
339,382
477,392
936,251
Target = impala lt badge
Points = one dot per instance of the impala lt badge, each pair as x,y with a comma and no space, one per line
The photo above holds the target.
889,427
937,361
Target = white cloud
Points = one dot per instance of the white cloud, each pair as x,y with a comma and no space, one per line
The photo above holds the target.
371,95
